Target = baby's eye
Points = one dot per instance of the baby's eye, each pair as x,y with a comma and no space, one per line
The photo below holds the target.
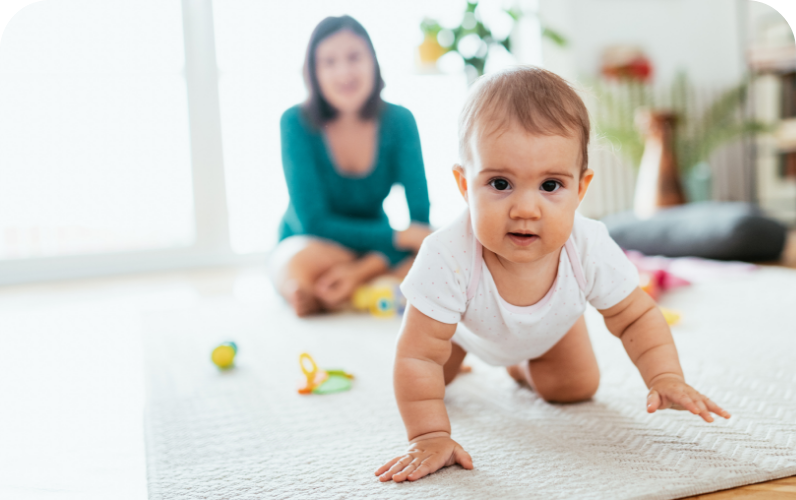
550,186
499,184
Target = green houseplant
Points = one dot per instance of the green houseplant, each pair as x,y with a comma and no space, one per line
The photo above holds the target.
439,41
701,129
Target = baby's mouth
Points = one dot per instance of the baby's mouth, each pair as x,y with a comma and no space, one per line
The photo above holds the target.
523,239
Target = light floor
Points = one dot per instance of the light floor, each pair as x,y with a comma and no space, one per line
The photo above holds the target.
71,380
781,489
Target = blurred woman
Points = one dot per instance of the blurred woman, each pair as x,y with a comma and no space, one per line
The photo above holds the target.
342,151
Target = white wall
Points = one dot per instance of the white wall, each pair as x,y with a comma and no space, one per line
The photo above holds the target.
701,36
766,26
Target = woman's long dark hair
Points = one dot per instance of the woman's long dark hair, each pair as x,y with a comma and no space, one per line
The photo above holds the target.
316,107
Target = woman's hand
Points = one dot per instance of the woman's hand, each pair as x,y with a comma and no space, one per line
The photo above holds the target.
673,392
424,457
336,285
412,237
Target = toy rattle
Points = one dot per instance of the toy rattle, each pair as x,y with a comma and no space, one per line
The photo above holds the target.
383,300
322,381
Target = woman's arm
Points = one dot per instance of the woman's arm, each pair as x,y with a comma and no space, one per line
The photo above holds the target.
308,197
638,322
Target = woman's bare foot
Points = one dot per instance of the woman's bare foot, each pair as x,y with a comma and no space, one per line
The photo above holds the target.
302,301
521,372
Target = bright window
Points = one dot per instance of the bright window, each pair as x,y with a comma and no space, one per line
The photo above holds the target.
94,138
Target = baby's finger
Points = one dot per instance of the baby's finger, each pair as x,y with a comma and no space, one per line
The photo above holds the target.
381,470
396,468
718,410
424,469
463,458
703,409
653,402
414,464
687,403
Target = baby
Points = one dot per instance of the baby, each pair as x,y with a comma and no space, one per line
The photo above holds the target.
516,270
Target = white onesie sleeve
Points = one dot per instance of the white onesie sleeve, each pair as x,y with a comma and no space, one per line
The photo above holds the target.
437,283
610,276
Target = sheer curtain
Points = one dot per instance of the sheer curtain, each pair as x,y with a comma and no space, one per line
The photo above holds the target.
94,138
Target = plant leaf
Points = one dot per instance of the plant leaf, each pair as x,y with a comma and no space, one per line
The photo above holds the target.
554,36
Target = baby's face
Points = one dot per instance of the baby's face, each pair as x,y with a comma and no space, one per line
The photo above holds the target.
522,191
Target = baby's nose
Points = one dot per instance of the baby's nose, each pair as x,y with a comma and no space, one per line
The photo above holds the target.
526,206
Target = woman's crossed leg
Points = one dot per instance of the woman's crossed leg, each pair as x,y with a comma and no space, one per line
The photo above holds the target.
314,274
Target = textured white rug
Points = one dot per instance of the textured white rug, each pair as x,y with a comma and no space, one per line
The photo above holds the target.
247,434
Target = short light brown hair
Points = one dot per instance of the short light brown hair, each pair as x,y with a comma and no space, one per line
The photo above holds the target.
542,102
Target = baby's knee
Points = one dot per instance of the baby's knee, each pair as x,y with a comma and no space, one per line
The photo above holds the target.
574,391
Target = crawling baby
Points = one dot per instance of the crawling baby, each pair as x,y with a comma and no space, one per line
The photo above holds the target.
509,279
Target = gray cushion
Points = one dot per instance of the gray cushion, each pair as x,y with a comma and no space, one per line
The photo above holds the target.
711,230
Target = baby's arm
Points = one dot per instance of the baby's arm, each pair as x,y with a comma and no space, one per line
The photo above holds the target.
640,325
424,346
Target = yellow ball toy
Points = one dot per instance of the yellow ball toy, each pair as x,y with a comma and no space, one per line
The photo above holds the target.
224,355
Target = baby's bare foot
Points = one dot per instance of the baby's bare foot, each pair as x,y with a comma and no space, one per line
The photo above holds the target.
520,372
302,301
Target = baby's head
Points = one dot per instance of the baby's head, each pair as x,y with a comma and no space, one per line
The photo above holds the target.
523,138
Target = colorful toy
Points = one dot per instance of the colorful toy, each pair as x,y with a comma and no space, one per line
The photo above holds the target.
223,356
671,317
649,284
322,381
383,299
656,281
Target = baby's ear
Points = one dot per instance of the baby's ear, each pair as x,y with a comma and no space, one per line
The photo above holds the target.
461,180
583,183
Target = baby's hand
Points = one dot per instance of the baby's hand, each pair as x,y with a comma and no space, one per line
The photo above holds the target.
424,457
673,392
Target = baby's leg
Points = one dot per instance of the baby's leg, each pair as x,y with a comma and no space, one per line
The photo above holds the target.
567,373
453,366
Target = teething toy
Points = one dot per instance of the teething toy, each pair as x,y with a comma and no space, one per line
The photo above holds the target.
322,381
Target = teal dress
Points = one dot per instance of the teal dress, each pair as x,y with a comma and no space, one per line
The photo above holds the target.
328,203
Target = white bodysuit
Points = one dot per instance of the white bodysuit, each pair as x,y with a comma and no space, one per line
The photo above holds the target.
451,283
